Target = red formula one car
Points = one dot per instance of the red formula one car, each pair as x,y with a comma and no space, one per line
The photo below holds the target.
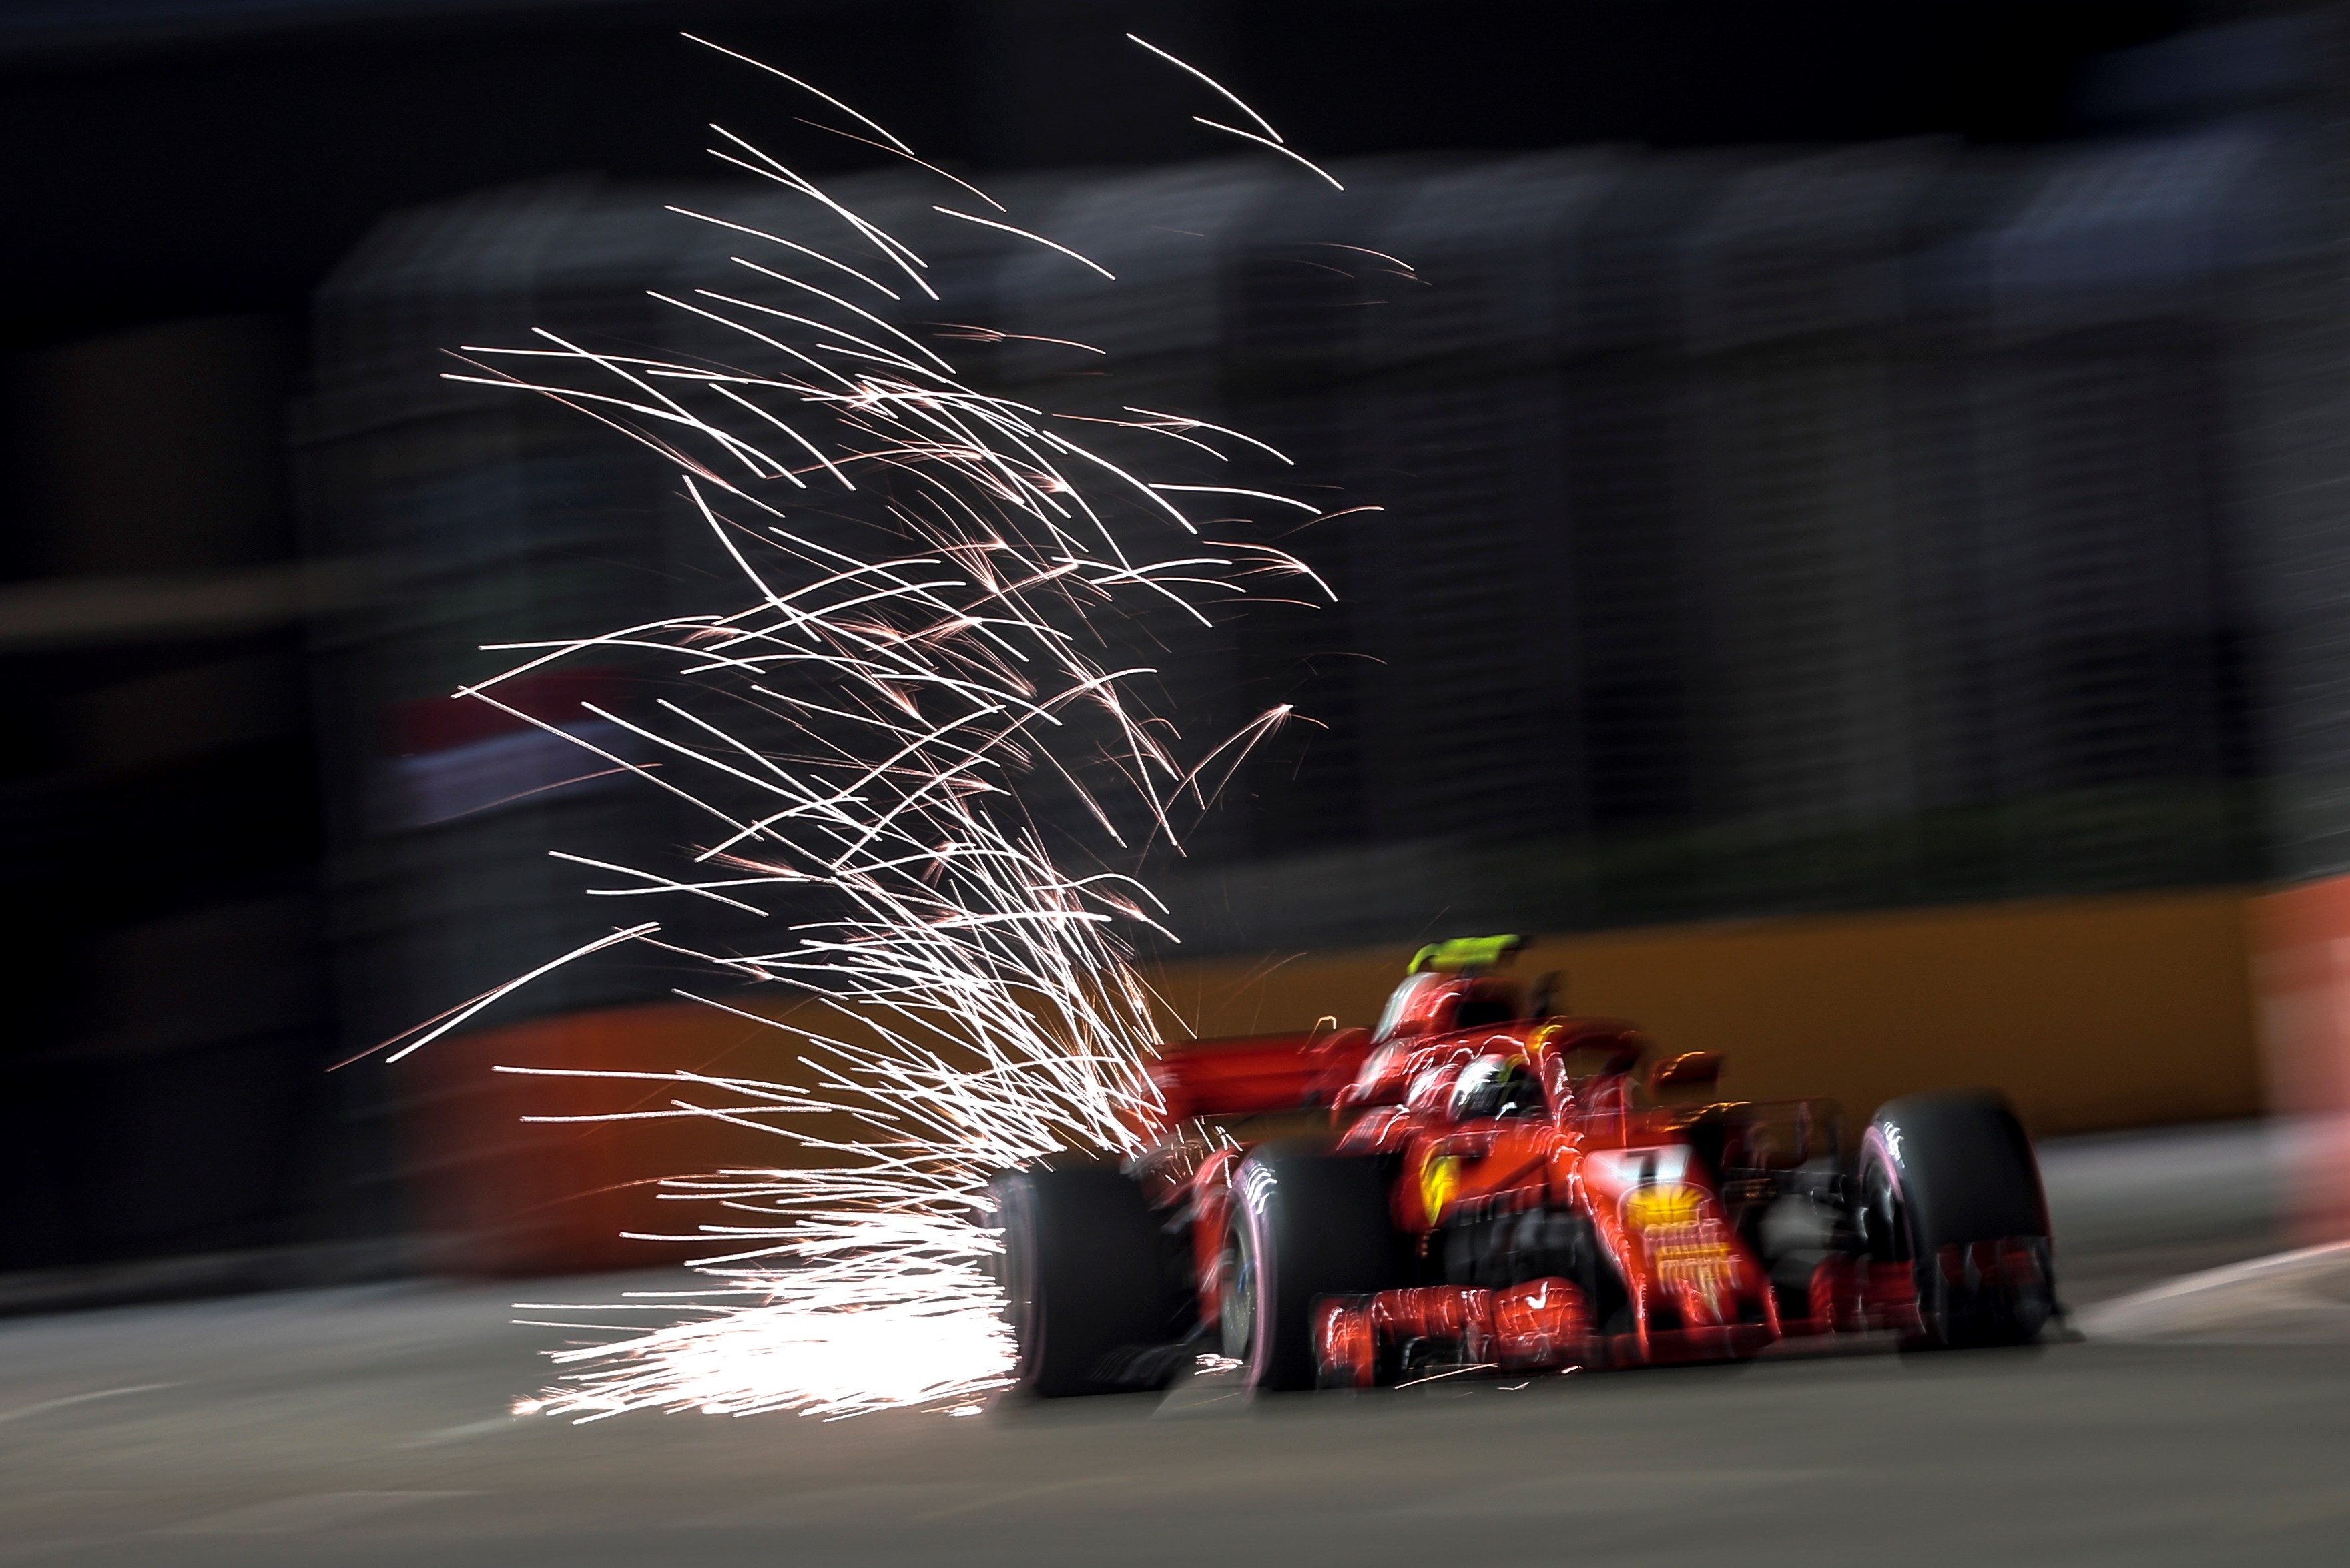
1489,1186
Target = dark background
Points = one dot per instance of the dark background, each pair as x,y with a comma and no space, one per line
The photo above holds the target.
186,160
181,180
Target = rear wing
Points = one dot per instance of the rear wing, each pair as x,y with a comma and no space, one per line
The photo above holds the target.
1258,1074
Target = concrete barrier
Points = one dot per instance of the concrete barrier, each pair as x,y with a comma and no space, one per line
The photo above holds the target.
2301,942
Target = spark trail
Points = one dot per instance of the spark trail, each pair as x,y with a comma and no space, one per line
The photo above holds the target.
931,580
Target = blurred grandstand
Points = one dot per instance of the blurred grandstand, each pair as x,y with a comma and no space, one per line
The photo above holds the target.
1761,532
1933,508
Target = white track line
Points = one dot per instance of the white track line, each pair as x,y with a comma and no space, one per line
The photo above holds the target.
23,1411
2138,1311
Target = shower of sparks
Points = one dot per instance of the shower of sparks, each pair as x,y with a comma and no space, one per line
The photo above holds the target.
876,128
1023,234
1264,136
1228,94
1289,152
929,576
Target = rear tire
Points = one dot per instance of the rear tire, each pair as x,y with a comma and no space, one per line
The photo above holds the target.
1940,1175
1085,1282
1306,1224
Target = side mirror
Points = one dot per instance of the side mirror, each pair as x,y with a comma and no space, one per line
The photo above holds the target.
1690,1069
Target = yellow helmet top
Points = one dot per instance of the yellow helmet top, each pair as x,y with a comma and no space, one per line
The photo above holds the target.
1465,955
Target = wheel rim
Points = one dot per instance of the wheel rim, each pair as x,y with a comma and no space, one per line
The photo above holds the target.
1236,1298
1889,1237
1016,1273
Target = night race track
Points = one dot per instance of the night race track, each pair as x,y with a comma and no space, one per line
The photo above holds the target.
366,1427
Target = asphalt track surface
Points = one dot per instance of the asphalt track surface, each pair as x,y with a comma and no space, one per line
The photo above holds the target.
368,1426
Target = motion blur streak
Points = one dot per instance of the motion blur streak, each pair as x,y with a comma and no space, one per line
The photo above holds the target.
854,738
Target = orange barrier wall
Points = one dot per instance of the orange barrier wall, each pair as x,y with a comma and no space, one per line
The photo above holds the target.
2093,1014
500,1195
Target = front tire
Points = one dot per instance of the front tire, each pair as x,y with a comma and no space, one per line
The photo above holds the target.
1086,1282
1950,1185
1306,1224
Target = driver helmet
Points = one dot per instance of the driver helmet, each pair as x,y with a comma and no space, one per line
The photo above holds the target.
1495,1085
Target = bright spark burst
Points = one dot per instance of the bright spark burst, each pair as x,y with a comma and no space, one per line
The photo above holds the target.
927,574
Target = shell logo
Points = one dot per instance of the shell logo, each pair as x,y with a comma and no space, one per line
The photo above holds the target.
1667,1203
1440,1178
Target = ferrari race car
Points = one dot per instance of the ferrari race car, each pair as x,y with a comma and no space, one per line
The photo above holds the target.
1472,1184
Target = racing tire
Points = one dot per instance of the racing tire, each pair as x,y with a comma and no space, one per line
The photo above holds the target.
1306,1224
1948,1183
1084,1277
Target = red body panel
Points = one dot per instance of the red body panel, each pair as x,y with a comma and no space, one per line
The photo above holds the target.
1542,1326
1258,1074
1551,1205
1586,1145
